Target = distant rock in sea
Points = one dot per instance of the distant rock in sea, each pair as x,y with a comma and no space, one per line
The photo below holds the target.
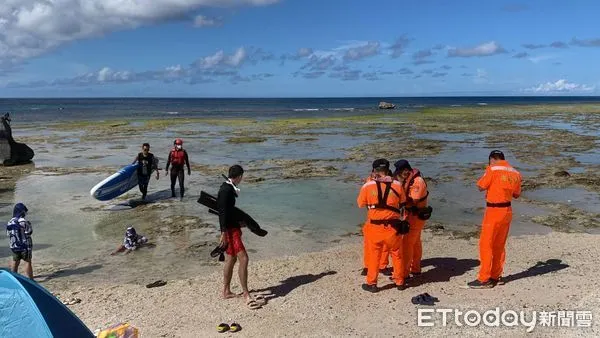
11,152
386,105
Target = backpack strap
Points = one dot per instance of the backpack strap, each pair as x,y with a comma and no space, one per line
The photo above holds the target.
382,198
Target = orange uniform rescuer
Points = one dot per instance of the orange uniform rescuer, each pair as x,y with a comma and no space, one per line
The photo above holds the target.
383,197
417,213
502,183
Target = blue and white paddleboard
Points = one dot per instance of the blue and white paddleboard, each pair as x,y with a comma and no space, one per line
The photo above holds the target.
117,184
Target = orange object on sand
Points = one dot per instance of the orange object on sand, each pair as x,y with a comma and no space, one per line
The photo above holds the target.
121,330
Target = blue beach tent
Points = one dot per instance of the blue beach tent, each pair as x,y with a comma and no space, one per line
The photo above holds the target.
28,310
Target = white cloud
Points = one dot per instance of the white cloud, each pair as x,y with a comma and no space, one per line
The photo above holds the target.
540,58
485,49
29,28
560,86
364,51
304,52
220,59
204,21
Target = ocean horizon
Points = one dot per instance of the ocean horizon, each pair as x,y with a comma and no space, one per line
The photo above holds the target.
48,109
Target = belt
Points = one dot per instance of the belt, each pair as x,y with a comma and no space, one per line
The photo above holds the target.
498,205
384,222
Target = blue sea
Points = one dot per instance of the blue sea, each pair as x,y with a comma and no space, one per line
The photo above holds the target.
49,109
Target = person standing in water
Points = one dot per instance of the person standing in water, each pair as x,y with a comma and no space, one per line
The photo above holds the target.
178,157
146,163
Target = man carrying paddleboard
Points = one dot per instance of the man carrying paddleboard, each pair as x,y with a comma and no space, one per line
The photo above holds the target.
231,237
178,157
146,163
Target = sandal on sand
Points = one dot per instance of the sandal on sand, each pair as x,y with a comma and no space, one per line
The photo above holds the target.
424,299
259,299
222,328
252,304
72,301
235,327
156,284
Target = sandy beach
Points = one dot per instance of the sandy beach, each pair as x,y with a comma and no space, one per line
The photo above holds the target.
319,294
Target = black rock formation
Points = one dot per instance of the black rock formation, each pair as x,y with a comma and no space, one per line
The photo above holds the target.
11,152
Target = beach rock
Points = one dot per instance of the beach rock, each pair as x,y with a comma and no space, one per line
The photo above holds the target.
386,105
11,152
562,173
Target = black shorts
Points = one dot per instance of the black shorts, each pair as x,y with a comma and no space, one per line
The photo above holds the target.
22,255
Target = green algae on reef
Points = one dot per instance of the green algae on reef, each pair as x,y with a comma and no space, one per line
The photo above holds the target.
247,139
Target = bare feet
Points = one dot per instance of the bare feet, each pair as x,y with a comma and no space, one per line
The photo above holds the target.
229,294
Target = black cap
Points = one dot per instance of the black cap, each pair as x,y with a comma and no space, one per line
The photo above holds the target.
401,165
497,154
381,163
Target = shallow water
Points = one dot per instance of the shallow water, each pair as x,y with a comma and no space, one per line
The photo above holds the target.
588,157
300,214
577,127
578,198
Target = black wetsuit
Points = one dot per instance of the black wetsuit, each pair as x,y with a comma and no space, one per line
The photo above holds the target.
144,171
177,171
225,205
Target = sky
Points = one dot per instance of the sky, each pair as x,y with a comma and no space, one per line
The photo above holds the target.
298,48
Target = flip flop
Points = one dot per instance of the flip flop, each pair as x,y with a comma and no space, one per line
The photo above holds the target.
424,299
222,328
235,327
430,299
219,250
260,299
72,301
156,284
252,304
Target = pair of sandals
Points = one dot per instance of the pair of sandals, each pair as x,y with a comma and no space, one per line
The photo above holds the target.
219,251
424,299
234,327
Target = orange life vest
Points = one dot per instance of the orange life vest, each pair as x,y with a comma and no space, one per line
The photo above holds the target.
177,157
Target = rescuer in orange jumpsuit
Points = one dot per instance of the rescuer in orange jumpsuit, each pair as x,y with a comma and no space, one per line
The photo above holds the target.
502,183
383,198
385,252
416,190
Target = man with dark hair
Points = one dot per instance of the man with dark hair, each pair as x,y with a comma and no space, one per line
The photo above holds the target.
384,198
231,237
146,163
502,183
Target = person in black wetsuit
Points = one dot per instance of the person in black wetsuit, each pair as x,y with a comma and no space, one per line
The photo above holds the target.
231,238
146,163
177,158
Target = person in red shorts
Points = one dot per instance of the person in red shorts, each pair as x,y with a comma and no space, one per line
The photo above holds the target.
231,237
